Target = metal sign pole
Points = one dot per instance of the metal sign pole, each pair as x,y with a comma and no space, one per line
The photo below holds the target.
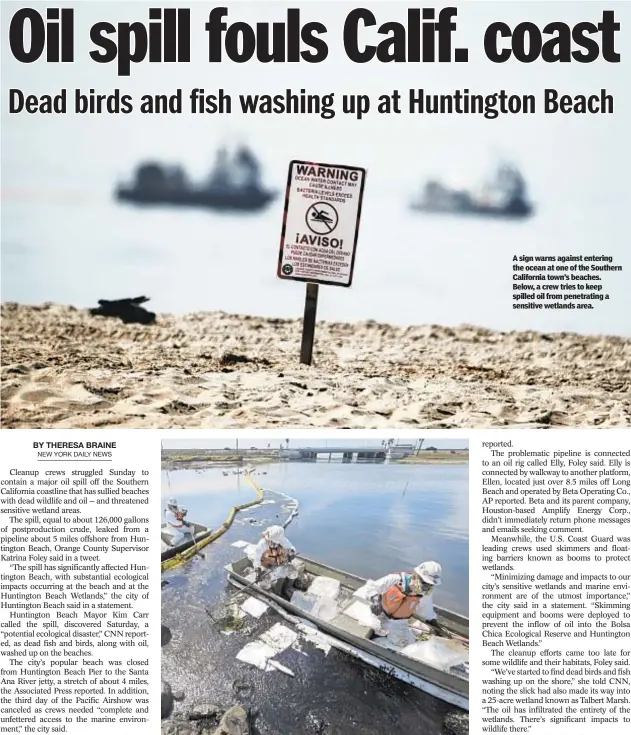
308,323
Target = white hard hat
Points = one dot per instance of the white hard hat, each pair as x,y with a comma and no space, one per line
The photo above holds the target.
171,502
275,534
430,572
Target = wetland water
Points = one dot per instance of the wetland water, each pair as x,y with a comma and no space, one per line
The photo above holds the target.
368,519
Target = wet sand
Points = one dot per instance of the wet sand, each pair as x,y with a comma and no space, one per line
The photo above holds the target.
62,368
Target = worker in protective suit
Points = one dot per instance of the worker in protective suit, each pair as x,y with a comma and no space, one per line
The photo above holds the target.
396,598
272,561
180,529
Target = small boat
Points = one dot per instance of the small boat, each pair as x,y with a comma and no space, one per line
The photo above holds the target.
169,551
441,679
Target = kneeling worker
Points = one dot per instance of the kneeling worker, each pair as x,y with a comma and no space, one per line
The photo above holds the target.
398,597
273,554
180,529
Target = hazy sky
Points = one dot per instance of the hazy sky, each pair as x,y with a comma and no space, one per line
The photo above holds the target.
424,270
51,136
262,442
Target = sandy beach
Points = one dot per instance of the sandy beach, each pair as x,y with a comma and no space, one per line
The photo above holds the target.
63,368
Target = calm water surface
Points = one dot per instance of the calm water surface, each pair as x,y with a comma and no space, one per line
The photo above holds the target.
369,519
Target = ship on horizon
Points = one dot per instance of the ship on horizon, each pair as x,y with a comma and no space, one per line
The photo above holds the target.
504,196
234,185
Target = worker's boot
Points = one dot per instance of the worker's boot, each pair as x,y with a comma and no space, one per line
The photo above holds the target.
288,589
276,587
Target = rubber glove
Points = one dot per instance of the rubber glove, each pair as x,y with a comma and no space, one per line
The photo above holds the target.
375,605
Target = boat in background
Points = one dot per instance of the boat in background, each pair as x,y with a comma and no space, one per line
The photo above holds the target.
234,185
168,551
442,670
503,196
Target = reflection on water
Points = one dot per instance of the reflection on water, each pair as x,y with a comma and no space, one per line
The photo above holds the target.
208,495
366,519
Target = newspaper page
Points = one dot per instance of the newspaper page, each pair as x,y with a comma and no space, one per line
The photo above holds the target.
553,545
79,592
335,297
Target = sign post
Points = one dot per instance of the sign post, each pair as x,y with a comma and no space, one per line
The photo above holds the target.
308,323
319,233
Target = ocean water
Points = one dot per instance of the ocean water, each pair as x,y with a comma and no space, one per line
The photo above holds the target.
368,519
65,239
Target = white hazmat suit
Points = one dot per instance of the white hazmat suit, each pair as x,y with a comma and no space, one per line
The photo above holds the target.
425,607
274,536
180,531
398,631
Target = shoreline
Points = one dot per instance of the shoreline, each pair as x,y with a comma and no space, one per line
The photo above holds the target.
63,368
438,457
195,462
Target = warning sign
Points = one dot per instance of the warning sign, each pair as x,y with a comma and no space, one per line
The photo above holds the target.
321,223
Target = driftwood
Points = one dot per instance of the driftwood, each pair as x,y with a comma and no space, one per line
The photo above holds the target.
127,310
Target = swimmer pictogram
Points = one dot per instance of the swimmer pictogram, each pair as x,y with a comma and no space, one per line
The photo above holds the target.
321,218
